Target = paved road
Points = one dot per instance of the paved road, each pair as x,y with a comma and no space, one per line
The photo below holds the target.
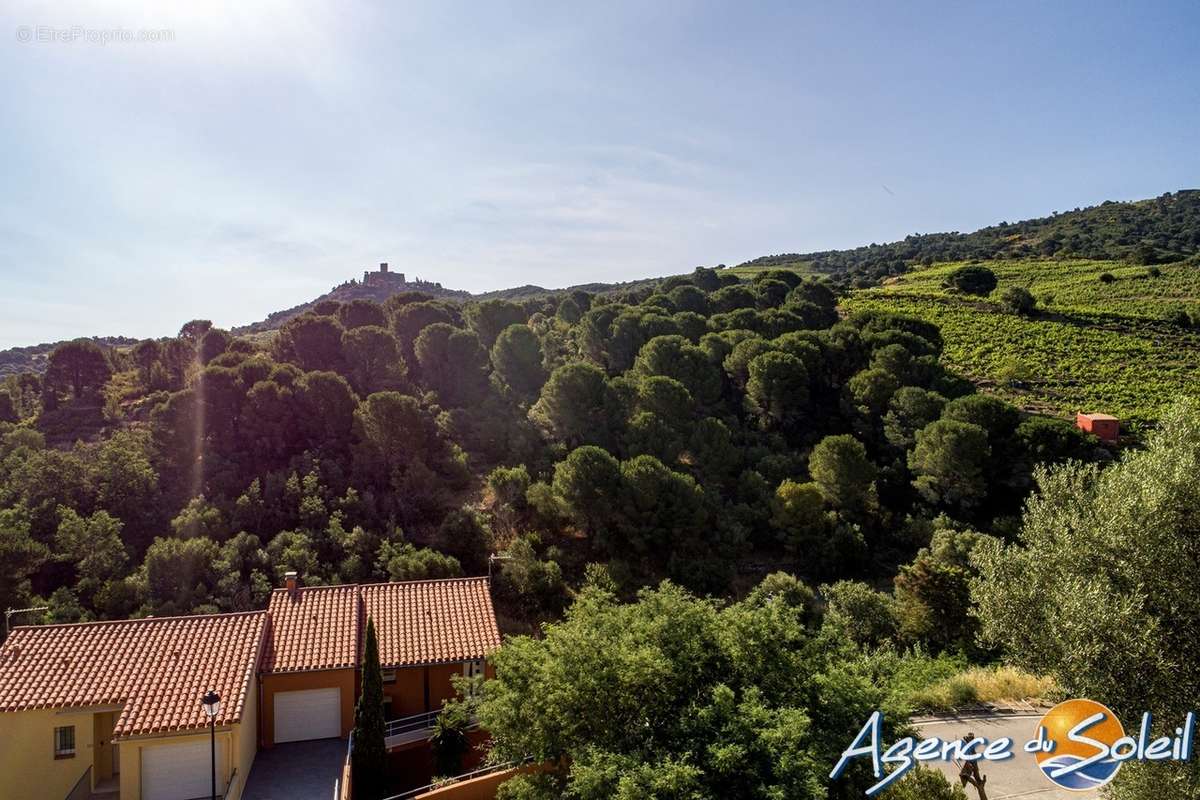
296,771
1017,777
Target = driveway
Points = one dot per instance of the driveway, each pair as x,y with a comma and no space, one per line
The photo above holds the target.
1017,777
296,771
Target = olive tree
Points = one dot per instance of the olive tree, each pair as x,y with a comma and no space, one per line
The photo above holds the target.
1100,589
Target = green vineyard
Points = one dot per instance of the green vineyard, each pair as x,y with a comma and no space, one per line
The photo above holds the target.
1092,344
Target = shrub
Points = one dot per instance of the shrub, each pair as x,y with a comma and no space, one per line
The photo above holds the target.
464,535
1153,272
863,615
448,739
972,279
1107,277
1014,372
1179,318
1144,253
925,784
909,673
1018,300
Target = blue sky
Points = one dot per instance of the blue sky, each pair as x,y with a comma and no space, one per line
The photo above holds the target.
267,153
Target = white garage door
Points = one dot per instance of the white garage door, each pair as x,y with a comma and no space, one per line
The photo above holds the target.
311,714
180,771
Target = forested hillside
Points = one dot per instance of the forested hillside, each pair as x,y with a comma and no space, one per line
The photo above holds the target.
795,498
1166,228
33,358
703,431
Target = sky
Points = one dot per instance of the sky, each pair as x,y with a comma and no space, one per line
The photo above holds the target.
234,159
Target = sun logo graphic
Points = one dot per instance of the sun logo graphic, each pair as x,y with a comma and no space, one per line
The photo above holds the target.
1079,738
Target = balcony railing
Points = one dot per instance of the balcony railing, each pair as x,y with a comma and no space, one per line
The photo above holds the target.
409,729
413,729
83,787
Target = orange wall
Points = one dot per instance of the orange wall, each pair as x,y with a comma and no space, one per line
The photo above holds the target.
481,788
1107,429
408,692
345,679
440,688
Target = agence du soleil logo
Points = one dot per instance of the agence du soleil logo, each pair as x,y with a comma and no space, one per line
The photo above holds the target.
1079,745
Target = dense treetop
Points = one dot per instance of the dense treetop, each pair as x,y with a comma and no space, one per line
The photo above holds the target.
690,430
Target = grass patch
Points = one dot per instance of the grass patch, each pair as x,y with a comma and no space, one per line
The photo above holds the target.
920,683
981,685
748,272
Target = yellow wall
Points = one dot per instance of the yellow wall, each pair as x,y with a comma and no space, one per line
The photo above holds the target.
131,759
27,761
246,739
32,773
102,746
230,741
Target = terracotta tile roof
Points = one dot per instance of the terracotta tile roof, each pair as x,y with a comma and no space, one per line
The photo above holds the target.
423,622
312,628
157,669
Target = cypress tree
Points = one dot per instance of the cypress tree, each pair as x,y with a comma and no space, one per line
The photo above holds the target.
369,754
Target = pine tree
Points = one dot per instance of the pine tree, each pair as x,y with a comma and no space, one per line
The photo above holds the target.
369,755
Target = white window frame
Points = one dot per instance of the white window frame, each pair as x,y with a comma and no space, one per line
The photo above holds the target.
388,675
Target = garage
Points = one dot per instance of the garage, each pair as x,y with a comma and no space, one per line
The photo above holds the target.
308,714
181,771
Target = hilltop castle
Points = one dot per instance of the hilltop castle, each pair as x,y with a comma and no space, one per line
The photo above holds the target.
382,277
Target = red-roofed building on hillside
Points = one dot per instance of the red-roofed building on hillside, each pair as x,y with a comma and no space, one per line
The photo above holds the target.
428,632
1104,426
115,707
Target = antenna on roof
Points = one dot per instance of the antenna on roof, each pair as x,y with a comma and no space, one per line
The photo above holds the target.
493,558
9,612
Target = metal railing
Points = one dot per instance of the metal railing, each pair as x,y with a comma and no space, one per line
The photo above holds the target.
83,787
416,722
343,784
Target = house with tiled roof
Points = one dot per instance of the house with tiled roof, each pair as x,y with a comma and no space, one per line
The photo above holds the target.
115,707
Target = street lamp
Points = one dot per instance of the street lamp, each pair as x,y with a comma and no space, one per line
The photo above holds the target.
212,707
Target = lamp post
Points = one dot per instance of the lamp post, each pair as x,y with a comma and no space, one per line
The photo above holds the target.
212,707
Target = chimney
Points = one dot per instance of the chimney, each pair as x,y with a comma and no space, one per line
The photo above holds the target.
289,580
383,266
